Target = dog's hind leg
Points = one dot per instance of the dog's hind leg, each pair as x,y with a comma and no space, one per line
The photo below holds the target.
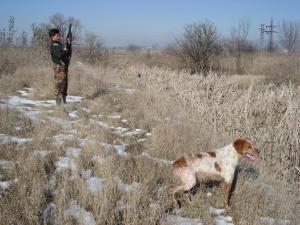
188,181
174,191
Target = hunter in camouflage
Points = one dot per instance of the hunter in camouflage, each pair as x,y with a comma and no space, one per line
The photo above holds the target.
60,59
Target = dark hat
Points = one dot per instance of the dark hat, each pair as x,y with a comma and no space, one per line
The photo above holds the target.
53,32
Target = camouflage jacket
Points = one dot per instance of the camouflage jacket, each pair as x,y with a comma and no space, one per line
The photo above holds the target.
58,55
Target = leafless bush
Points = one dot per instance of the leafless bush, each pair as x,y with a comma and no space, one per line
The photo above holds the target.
289,35
198,47
40,39
239,43
60,22
93,49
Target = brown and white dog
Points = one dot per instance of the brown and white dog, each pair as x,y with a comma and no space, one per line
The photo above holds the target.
218,165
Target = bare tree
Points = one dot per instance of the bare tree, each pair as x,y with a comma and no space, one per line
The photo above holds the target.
93,47
22,40
289,35
2,37
40,38
133,48
239,42
197,47
11,30
60,22
7,36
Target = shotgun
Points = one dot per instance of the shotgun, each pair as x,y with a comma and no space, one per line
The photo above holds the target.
69,40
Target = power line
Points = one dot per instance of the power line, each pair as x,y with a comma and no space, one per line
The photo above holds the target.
262,32
271,31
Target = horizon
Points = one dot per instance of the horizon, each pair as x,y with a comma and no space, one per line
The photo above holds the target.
152,23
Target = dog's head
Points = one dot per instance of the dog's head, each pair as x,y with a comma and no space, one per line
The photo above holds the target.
245,149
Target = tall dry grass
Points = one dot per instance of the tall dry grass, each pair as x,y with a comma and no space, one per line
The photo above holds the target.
211,112
184,114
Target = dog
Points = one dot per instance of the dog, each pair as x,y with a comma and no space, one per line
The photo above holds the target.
218,165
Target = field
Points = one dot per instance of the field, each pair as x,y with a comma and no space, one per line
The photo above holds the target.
105,157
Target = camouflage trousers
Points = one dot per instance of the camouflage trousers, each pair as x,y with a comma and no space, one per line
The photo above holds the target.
61,80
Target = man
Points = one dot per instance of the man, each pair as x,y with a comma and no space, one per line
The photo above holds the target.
60,59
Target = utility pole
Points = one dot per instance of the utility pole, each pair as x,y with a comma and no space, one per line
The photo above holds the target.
262,32
270,32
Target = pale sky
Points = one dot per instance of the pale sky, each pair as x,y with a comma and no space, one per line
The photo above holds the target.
121,22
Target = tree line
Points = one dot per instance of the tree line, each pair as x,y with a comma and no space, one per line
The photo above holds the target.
199,45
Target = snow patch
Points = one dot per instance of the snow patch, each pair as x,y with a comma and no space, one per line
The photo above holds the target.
4,139
18,101
271,221
73,152
161,161
101,124
66,163
61,138
216,211
120,148
115,117
223,220
6,184
5,165
48,216
73,115
178,220
124,121
86,110
23,93
95,184
82,216
126,187
42,153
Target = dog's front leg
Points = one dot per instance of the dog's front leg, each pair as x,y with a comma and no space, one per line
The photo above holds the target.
226,188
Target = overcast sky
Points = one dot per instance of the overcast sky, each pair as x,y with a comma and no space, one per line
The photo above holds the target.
123,22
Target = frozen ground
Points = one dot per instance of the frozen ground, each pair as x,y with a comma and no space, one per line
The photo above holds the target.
34,109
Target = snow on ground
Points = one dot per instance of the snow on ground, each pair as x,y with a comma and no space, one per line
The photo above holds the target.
67,163
219,218
61,138
18,101
120,148
4,139
126,187
95,184
5,165
115,117
161,161
82,216
4,185
25,91
49,216
271,221
29,107
122,131
73,114
178,220
72,152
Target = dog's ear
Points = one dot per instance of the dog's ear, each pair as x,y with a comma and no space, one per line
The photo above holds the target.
241,145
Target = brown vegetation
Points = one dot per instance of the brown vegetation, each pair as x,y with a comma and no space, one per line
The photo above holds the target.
184,114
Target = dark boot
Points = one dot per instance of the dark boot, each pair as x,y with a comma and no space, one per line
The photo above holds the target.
64,99
58,101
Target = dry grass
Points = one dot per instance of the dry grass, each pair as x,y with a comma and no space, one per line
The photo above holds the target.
210,112
184,114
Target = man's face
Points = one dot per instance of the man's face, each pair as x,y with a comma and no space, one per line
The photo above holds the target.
56,37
